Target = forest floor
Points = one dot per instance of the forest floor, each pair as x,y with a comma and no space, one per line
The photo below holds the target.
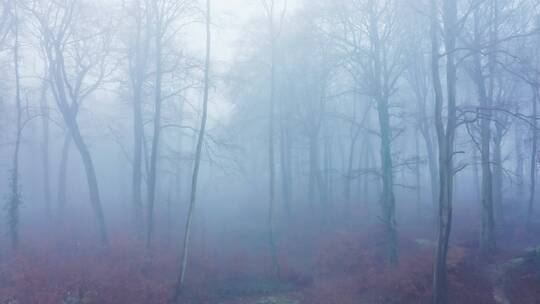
317,266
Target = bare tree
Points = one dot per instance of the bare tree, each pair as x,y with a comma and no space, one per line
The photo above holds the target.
198,153
164,15
270,7
138,61
73,59
445,136
15,195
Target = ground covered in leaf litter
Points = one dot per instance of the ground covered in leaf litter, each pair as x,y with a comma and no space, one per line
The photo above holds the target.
318,266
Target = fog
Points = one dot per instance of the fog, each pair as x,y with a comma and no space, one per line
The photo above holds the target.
269,151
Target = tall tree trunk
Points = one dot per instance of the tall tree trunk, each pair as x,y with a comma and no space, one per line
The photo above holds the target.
200,142
137,76
152,174
501,125
487,235
271,156
15,195
445,138
381,96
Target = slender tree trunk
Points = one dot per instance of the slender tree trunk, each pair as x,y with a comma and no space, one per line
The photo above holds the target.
534,150
476,173
487,236
328,171
520,161
44,107
314,171
498,176
152,174
200,142
417,170
445,138
15,195
350,169
62,177
271,156
137,76
500,126
285,161
381,96
432,161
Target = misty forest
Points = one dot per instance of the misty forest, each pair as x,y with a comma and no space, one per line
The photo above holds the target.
269,151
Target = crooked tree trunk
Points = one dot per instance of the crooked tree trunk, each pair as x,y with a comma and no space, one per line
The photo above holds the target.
90,175
68,99
69,114
200,142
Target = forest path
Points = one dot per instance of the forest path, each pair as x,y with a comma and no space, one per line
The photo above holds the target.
500,274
